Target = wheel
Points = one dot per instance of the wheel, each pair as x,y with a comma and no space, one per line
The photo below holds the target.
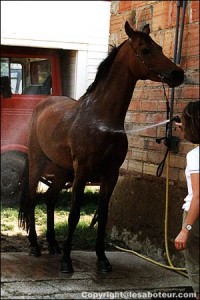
12,166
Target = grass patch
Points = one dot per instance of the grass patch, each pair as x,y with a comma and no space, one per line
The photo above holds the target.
9,213
7,227
84,237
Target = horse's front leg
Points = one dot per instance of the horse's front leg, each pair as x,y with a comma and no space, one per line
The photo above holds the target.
74,216
107,185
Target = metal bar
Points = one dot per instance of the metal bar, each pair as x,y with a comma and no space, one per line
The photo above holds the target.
178,58
169,125
177,52
177,30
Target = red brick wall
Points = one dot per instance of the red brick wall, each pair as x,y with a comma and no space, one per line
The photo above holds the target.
148,105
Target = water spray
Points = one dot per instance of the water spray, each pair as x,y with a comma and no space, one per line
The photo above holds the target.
171,142
103,127
175,118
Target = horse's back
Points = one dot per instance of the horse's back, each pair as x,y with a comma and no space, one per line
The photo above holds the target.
51,110
53,100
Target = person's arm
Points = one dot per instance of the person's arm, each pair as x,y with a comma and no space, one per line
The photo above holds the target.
193,214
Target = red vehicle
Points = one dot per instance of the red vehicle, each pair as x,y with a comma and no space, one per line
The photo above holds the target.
32,74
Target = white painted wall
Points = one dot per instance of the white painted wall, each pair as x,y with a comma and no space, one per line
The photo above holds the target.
73,25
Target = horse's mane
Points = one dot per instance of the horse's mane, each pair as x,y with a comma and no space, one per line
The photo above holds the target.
103,68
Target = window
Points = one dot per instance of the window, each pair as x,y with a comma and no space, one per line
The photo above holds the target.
28,75
16,78
4,67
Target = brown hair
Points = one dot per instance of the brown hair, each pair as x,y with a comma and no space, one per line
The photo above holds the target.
191,122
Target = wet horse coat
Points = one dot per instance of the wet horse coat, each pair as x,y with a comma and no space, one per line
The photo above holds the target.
86,141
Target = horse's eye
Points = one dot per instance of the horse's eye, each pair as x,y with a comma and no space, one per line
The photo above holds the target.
145,51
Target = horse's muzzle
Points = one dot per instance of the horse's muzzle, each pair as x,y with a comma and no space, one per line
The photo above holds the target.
175,77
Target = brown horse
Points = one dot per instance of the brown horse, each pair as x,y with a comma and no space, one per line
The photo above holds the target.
86,140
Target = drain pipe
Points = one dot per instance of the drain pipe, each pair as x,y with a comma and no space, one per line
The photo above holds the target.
181,32
177,56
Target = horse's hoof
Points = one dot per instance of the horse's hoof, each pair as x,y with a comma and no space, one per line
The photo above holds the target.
34,251
66,267
55,249
104,266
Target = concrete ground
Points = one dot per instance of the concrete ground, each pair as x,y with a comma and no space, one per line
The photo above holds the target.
27,277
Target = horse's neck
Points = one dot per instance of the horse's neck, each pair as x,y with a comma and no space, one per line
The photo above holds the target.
112,97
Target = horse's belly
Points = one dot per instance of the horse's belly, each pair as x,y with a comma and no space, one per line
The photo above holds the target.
59,155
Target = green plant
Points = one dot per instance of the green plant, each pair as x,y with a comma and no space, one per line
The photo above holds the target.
7,227
84,237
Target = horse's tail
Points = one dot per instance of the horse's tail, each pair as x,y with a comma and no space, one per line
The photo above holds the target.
24,198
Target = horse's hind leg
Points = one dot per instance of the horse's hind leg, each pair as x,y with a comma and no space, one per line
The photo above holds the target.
74,216
60,178
36,167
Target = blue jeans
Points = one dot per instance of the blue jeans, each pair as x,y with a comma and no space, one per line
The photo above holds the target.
192,254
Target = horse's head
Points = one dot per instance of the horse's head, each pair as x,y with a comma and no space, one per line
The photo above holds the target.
151,62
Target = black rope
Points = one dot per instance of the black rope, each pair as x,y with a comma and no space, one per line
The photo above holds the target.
166,138
161,164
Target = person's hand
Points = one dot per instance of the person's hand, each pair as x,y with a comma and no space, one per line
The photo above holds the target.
179,126
181,239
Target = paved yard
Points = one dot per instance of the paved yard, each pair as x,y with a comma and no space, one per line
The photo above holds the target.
27,277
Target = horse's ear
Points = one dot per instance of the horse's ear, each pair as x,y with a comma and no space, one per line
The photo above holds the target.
146,29
129,30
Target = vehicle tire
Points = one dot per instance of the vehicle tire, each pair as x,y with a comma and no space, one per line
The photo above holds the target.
12,166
